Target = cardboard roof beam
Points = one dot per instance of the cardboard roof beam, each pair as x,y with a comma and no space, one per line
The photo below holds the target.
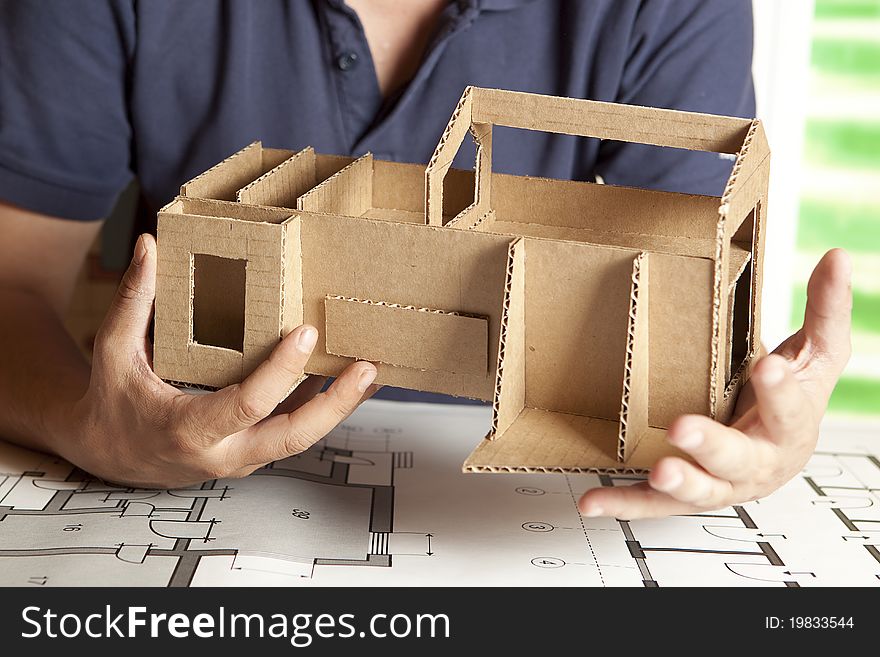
589,315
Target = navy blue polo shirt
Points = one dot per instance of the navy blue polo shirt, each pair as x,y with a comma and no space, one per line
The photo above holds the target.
94,93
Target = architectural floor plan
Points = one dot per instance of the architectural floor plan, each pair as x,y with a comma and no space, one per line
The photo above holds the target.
382,501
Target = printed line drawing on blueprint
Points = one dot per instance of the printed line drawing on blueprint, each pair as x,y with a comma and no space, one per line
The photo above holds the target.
328,506
382,501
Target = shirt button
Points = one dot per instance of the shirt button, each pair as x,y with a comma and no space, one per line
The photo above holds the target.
346,61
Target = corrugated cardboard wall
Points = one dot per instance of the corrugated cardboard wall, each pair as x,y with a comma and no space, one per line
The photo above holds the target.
577,308
409,265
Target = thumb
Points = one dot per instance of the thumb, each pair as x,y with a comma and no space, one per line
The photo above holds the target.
829,307
126,325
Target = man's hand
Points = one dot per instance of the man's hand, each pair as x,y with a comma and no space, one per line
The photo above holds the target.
131,427
775,426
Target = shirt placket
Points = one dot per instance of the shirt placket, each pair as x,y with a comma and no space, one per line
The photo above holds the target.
457,17
360,99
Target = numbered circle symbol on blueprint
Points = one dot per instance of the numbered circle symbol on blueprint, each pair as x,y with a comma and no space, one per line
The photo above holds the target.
537,526
530,491
548,562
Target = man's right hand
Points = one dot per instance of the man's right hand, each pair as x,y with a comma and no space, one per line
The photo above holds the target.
131,427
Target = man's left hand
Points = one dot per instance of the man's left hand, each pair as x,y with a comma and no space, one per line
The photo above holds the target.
775,425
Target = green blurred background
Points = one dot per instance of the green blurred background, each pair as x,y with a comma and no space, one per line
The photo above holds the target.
839,204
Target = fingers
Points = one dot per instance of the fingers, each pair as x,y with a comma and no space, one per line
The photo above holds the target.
690,484
310,387
782,404
285,435
631,503
829,306
675,487
238,407
125,328
729,461
722,451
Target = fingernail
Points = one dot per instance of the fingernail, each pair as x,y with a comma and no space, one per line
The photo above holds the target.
670,482
592,512
773,373
140,251
366,378
306,340
690,440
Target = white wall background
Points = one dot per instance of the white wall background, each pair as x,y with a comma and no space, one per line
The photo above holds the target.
781,69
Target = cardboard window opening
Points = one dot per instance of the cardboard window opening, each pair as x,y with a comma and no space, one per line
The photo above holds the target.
218,301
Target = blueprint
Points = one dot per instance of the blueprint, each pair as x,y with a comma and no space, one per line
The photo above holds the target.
382,501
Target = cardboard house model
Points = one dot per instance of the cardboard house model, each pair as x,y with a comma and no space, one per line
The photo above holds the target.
590,315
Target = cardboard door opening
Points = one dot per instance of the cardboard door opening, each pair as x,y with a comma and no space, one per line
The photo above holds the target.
458,192
740,333
459,185
218,301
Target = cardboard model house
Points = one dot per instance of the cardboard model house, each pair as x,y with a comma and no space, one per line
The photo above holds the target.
590,315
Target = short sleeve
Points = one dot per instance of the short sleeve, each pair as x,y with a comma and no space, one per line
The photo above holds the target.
64,130
693,55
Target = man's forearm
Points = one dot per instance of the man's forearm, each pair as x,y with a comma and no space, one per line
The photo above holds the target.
42,372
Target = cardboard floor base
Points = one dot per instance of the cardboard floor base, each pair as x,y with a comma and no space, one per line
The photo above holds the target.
542,441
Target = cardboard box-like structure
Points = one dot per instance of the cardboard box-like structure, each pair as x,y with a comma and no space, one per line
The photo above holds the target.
590,315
